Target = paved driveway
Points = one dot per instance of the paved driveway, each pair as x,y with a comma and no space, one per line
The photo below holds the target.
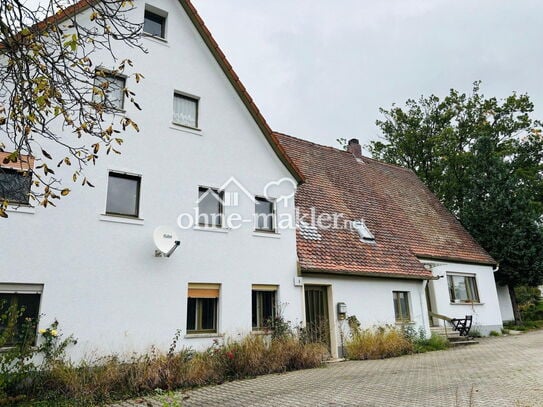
504,371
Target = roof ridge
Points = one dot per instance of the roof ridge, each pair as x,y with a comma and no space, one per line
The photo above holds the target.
396,166
364,157
311,142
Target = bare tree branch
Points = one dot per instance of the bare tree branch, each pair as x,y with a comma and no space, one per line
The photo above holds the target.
51,90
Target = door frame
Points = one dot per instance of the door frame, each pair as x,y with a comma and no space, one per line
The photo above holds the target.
331,315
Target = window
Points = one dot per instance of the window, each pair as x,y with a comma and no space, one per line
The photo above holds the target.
154,24
15,185
363,231
24,300
123,194
401,306
462,288
263,306
185,110
202,307
210,207
264,215
109,90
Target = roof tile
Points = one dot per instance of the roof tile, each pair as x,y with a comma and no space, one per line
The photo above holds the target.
407,220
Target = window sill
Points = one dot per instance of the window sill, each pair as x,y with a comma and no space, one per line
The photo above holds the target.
121,219
262,233
400,323
186,129
213,229
204,335
21,208
157,39
467,303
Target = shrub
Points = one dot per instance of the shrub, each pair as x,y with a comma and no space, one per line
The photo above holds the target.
494,333
475,333
58,380
379,343
435,342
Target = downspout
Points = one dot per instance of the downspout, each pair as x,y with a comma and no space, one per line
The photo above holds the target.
424,310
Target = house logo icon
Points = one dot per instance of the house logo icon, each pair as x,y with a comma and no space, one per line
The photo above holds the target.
228,194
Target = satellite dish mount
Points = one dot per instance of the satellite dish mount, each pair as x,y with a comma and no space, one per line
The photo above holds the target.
166,241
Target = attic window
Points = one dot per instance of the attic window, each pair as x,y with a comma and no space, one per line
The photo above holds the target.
363,231
154,22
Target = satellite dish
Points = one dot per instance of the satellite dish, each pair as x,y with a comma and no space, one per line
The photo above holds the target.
166,241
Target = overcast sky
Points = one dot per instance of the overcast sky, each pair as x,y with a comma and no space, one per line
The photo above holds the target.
320,69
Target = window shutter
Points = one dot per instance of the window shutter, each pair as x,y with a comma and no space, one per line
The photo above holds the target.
197,290
24,163
264,287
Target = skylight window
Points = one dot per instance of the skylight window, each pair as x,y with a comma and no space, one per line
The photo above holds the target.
363,231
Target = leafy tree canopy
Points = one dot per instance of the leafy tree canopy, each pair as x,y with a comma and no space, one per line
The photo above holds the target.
483,158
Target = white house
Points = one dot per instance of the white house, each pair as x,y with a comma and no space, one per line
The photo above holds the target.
90,263
395,255
206,165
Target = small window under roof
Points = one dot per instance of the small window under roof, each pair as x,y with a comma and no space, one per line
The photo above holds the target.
363,231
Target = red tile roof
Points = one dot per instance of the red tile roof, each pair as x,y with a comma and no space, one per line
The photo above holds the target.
407,220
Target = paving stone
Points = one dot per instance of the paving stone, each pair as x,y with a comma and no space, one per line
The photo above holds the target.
501,371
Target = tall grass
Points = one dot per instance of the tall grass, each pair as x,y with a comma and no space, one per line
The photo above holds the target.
112,378
389,341
379,343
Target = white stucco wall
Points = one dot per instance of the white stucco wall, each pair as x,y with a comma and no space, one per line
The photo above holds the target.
486,314
371,301
101,279
506,307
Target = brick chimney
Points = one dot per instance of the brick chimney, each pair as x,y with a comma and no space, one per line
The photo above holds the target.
354,148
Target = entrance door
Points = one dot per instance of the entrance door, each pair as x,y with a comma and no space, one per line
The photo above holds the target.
429,304
316,314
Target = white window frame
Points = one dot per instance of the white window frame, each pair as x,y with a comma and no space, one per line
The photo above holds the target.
188,96
220,194
203,332
160,13
23,288
274,216
107,73
128,218
22,173
407,295
258,289
363,231
476,287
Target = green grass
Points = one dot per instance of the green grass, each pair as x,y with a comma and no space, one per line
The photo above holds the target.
526,326
435,342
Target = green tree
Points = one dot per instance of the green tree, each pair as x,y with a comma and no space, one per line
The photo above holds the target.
57,105
483,158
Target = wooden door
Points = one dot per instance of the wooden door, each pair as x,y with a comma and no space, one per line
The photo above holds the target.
316,314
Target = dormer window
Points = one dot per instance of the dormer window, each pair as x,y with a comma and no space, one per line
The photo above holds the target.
363,231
